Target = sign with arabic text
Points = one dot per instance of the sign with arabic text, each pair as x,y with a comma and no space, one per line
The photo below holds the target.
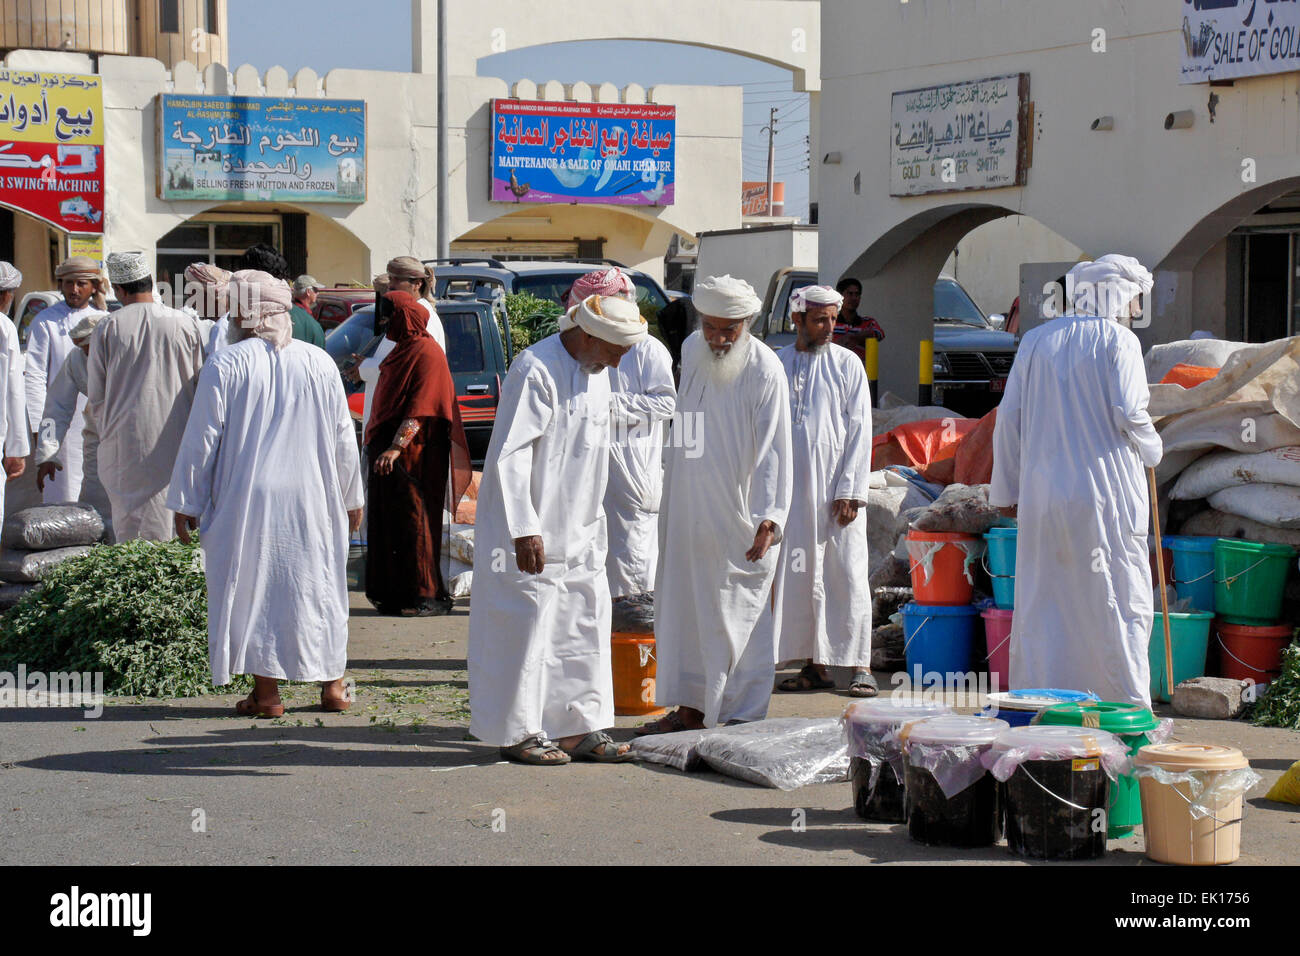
959,136
614,153
261,148
52,147
1227,39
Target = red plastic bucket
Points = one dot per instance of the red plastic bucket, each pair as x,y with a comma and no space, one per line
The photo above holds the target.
943,578
997,644
1251,653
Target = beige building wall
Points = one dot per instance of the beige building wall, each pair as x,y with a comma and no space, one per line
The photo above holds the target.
91,26
191,41
987,260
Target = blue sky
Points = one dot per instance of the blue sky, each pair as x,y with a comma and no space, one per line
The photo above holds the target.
298,33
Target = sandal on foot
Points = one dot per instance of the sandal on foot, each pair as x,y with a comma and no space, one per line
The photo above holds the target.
587,749
536,750
863,685
249,707
807,679
669,723
334,705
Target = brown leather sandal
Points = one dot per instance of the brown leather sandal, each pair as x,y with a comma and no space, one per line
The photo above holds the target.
249,707
334,705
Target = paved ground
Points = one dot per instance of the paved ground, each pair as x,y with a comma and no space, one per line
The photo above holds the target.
395,781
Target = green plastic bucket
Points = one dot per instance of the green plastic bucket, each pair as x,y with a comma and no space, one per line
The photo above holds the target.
1191,638
1130,723
1249,577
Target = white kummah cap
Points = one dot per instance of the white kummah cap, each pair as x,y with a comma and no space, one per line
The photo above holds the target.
1106,287
808,295
10,278
124,267
82,330
725,297
612,319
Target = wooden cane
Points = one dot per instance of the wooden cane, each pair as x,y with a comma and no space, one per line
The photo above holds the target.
1164,596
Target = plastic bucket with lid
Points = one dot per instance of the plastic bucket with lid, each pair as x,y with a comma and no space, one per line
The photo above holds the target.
1019,707
941,564
997,644
940,637
1056,788
632,659
872,728
1131,724
1001,565
952,800
1251,653
1193,569
1192,800
1249,577
1190,635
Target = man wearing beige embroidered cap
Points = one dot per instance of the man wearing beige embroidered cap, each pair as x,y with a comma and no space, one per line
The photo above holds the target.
723,510
48,346
14,436
144,364
60,407
540,682
305,326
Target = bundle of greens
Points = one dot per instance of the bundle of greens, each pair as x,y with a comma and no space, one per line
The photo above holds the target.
1279,706
135,611
532,317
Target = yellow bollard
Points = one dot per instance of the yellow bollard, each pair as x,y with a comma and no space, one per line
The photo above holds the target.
925,373
871,359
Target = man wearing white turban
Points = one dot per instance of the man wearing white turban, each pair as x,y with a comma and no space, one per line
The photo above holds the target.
1069,446
144,363
540,682
725,503
821,577
643,398
48,347
15,437
61,402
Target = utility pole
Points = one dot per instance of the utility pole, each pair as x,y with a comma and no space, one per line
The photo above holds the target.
443,222
771,155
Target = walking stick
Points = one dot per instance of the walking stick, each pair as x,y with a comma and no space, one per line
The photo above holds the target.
1164,596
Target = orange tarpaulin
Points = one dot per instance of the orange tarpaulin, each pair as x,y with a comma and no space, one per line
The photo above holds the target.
1189,376
920,444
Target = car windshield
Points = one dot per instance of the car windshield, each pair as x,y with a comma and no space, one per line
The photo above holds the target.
555,286
952,304
352,335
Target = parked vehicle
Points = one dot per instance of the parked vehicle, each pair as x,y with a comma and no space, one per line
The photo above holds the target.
35,302
333,306
972,358
485,277
478,352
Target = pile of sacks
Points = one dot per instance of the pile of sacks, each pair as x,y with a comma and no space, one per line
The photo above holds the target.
37,539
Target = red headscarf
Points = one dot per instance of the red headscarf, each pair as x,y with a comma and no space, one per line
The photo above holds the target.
415,382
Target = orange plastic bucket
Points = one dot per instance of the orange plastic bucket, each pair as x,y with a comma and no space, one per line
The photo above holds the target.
942,576
632,657
1251,653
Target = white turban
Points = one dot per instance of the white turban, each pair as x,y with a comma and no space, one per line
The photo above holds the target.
612,319
725,297
808,295
10,278
83,329
1106,287
124,267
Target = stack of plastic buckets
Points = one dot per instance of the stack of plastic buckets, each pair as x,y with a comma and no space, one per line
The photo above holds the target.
1001,566
1249,578
939,625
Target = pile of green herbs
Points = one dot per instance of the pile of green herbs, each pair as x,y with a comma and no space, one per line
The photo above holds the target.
1279,705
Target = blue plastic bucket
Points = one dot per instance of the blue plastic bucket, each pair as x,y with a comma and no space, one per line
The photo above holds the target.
940,637
1193,569
1019,707
1002,566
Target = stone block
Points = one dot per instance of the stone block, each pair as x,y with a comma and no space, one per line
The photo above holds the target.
1214,698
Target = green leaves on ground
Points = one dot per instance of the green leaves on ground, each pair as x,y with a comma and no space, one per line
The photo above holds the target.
1279,705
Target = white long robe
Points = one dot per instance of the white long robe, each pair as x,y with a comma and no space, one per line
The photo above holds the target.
49,344
643,399
269,464
144,363
821,579
61,401
1071,440
369,368
539,651
15,438
717,491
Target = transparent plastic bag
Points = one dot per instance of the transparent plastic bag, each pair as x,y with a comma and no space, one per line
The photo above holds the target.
873,730
1003,759
1202,800
29,566
953,768
461,584
462,546
44,527
784,753
671,750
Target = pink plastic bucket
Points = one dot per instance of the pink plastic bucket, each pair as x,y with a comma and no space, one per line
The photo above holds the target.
997,641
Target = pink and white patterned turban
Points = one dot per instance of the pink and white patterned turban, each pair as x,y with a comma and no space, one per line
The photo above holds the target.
609,282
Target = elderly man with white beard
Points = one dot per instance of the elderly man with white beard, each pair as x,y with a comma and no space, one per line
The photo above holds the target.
823,596
540,680
724,508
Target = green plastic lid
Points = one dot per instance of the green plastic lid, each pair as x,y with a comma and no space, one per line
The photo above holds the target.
1104,715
